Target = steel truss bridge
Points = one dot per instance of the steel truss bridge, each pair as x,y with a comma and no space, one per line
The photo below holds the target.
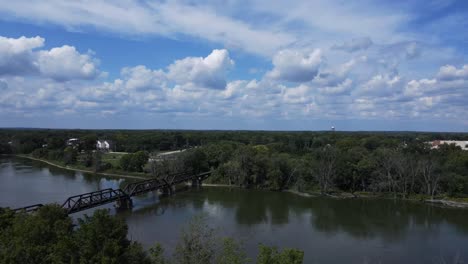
122,197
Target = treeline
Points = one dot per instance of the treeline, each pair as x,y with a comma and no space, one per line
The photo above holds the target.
27,140
49,236
401,164
399,168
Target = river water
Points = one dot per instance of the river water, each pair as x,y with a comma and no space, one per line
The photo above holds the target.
328,230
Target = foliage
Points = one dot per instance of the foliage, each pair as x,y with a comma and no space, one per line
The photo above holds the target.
196,244
231,253
134,162
399,163
271,255
48,236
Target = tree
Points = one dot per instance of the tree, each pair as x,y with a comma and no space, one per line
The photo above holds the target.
88,142
430,177
134,162
102,238
97,161
195,161
196,244
271,255
324,168
44,237
157,254
231,253
48,236
69,155
387,170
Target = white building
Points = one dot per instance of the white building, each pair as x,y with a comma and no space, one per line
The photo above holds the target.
73,142
104,145
459,143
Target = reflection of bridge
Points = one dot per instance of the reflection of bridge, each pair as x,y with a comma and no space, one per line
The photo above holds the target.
123,197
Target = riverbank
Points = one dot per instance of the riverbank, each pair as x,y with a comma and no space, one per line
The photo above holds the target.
446,202
82,170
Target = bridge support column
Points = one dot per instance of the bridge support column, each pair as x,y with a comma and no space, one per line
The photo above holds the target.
196,182
169,190
124,203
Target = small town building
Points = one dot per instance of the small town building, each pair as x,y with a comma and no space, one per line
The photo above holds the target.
73,142
463,144
105,145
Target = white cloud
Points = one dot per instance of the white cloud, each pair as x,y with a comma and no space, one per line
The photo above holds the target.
381,85
142,78
296,66
66,63
208,72
16,55
300,85
450,72
171,19
21,57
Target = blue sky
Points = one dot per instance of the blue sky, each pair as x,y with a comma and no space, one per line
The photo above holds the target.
261,64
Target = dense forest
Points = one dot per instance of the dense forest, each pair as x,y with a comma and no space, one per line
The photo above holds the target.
398,164
50,236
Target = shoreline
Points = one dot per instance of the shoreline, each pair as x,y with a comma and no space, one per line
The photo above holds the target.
434,202
81,170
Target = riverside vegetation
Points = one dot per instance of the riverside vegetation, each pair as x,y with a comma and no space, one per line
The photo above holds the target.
49,236
395,164
399,165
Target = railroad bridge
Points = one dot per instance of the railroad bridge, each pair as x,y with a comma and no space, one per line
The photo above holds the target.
122,197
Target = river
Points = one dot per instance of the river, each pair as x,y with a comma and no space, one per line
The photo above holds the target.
328,230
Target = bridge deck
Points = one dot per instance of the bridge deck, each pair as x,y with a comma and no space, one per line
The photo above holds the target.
85,201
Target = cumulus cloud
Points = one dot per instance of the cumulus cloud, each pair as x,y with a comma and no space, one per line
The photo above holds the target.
450,72
354,45
300,85
296,66
16,55
142,78
20,57
66,63
208,72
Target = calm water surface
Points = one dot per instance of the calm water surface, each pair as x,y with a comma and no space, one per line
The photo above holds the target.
329,231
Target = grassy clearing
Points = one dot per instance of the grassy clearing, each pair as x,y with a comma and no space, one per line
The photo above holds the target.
113,158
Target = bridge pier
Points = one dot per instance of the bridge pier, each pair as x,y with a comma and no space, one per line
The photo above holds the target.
196,182
124,203
169,190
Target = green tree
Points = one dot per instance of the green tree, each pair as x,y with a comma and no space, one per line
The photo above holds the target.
196,244
70,155
232,253
44,237
102,238
271,255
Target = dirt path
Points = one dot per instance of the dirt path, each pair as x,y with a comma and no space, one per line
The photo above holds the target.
86,171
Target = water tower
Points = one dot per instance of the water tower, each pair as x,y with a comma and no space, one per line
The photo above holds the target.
332,128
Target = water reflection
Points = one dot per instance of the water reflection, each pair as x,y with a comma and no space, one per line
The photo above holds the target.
359,218
328,230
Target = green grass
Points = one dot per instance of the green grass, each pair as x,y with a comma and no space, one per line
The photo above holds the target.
112,158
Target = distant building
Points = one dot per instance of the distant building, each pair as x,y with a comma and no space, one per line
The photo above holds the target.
332,128
459,143
105,145
73,142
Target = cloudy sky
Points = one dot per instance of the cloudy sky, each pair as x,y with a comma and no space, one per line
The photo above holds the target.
226,64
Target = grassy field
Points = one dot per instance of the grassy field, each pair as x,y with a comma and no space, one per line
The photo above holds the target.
113,158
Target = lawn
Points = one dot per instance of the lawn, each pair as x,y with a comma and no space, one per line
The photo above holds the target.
113,158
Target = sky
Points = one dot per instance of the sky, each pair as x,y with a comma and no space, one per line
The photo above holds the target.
225,64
